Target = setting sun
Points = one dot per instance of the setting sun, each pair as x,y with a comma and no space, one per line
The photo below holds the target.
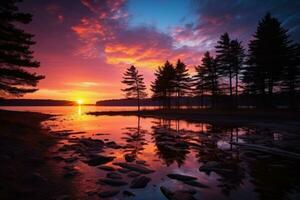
79,101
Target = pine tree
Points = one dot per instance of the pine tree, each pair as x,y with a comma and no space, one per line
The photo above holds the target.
199,82
237,60
224,62
182,81
268,54
211,83
164,85
135,85
15,54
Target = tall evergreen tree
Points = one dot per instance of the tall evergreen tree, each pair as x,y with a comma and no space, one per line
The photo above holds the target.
199,82
15,54
135,85
182,81
211,83
164,85
268,55
237,60
224,63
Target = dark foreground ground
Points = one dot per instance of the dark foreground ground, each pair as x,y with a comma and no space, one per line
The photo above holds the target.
24,170
288,120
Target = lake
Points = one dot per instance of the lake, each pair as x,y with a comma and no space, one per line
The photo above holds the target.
162,151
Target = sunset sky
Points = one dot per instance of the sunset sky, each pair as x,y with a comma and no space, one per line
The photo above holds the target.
84,46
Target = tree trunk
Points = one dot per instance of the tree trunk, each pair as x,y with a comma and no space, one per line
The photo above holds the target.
236,89
138,101
230,88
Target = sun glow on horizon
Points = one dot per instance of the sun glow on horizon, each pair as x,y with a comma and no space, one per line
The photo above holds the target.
79,101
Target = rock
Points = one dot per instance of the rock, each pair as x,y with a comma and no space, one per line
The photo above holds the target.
99,160
140,182
196,184
168,193
177,195
129,157
107,168
181,177
128,193
135,167
133,174
114,175
112,182
108,193
124,171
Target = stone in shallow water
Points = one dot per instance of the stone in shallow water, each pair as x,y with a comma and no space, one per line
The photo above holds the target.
107,168
140,182
133,174
135,167
114,175
128,193
108,193
196,184
177,195
181,177
123,170
99,160
112,182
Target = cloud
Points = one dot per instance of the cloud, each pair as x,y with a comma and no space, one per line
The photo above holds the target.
238,18
106,34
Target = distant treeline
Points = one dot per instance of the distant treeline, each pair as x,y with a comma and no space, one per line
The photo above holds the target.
35,102
267,75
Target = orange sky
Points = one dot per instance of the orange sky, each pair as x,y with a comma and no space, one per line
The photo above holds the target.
85,46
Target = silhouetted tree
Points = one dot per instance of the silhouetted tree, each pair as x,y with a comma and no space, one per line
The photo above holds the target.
15,54
237,60
211,83
164,84
182,81
199,82
224,62
268,55
135,85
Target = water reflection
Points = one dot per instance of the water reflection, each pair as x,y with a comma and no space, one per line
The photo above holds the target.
79,111
134,138
201,150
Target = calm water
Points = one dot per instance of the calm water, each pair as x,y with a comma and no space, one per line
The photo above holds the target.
241,174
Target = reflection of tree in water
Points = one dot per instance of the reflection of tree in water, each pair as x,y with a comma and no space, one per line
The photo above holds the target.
171,143
273,177
229,166
134,138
